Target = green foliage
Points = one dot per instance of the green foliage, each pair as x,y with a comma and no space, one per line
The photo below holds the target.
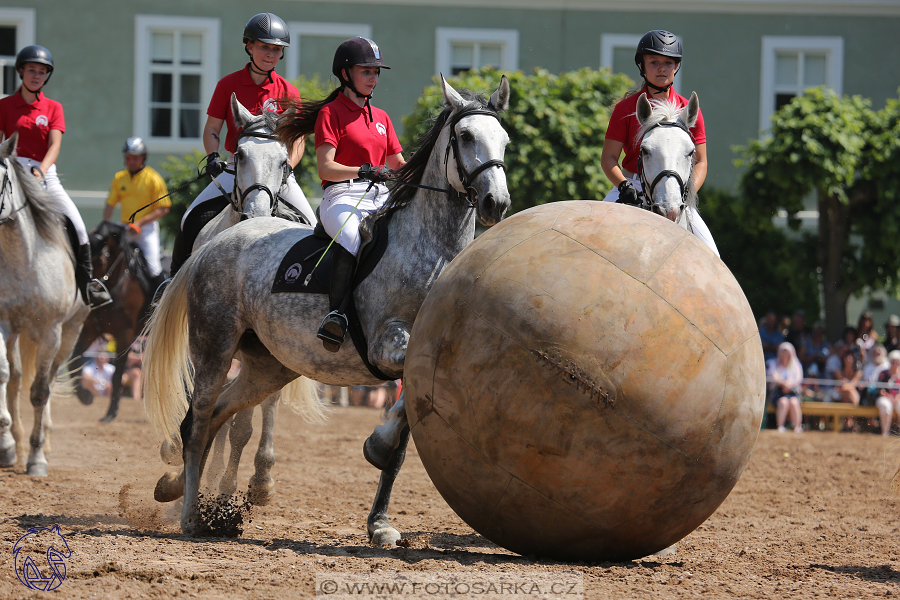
776,271
181,170
556,126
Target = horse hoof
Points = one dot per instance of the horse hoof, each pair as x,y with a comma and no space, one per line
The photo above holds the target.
84,396
36,470
8,456
168,488
261,492
377,452
108,418
385,537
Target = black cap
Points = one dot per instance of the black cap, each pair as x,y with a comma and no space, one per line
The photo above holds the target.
357,51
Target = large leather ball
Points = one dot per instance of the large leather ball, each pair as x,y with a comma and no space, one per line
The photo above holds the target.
585,382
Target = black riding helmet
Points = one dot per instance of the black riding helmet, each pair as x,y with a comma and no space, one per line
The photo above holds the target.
661,42
356,51
268,29
34,54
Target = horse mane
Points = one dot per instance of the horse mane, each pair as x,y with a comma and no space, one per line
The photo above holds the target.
414,169
49,223
667,111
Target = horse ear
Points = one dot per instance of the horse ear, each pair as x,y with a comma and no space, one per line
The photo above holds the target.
452,98
500,99
693,110
8,147
643,109
242,116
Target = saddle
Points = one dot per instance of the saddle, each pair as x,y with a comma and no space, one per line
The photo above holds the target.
298,274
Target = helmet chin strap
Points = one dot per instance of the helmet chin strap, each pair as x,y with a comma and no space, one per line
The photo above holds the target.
656,87
349,85
268,73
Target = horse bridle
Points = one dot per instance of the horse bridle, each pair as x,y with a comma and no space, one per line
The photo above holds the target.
648,188
237,197
467,178
7,186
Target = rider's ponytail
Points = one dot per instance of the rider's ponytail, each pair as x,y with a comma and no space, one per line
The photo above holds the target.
299,117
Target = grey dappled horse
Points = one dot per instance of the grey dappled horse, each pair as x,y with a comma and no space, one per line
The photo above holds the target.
261,168
220,301
41,312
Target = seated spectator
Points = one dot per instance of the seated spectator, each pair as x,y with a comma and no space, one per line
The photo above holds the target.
889,399
97,374
892,334
867,337
799,335
770,335
816,357
786,375
848,376
871,371
132,375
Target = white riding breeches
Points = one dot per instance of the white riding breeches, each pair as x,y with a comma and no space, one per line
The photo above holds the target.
58,199
345,205
290,193
148,241
696,224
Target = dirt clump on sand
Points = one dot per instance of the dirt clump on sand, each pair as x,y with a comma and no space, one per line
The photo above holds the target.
811,517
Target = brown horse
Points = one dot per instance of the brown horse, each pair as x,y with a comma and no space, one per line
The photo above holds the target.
116,258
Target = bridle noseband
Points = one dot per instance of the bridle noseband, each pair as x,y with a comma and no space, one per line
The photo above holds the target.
649,187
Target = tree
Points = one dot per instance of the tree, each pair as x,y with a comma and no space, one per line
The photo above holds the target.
556,126
844,154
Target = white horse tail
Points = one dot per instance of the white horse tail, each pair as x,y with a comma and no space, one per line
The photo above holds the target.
302,395
167,378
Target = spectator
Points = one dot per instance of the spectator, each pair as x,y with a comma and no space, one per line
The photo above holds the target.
871,371
799,335
770,335
97,374
816,357
132,375
867,337
892,334
786,374
889,399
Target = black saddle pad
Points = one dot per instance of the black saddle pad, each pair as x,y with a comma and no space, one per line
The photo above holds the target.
298,273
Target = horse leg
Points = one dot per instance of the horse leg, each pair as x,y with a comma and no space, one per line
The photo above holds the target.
9,399
381,533
116,392
379,447
89,333
238,434
44,362
262,485
215,469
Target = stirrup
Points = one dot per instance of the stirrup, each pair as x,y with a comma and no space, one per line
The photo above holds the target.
98,294
333,330
157,295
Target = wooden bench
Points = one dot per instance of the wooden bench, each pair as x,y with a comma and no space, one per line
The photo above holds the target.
836,411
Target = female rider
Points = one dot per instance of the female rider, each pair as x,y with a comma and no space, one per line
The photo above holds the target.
351,136
258,87
658,57
40,123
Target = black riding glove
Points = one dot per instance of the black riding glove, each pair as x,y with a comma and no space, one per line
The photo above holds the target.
627,194
376,174
214,166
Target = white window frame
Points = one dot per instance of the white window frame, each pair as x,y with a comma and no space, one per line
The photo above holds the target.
23,20
300,29
144,25
833,47
446,36
610,42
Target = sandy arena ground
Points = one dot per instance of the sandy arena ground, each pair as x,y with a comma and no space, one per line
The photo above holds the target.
810,518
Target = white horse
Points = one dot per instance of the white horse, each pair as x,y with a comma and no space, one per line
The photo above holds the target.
41,312
220,301
666,163
261,169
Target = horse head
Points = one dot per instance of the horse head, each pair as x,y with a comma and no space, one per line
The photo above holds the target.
261,165
477,143
666,161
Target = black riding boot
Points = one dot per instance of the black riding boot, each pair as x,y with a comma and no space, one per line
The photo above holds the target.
334,327
187,235
93,292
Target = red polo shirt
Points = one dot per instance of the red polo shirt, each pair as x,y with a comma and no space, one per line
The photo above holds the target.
33,122
255,98
623,127
357,140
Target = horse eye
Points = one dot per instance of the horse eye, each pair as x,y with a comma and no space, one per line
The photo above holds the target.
466,136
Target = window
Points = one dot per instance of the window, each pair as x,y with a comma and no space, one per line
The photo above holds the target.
313,44
617,54
176,68
790,65
16,32
459,50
